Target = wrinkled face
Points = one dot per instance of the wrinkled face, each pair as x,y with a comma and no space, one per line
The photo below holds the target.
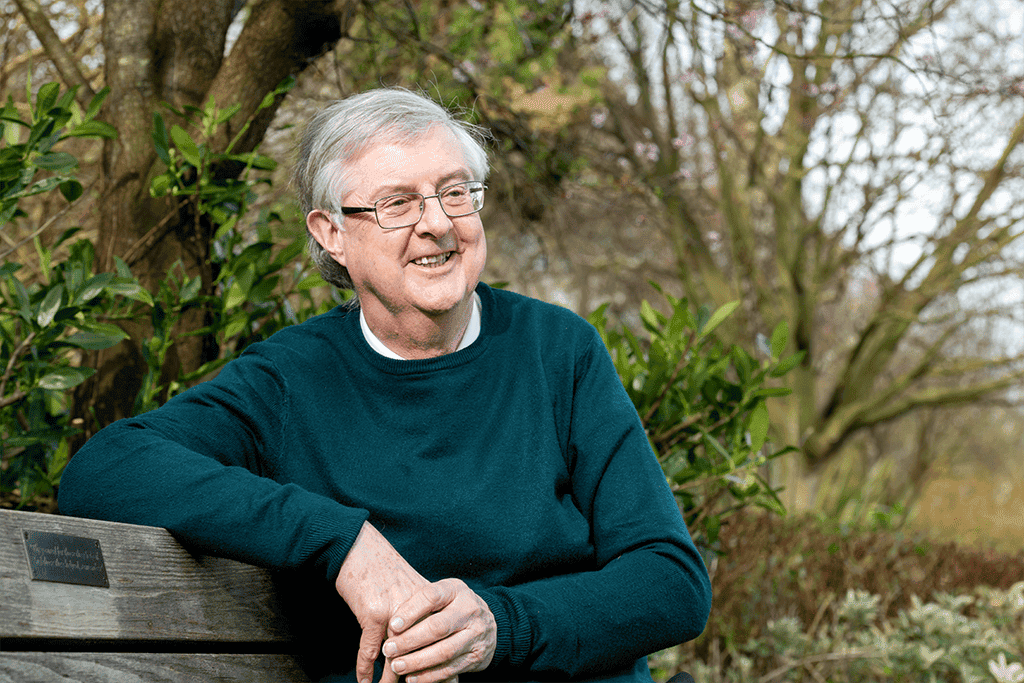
431,266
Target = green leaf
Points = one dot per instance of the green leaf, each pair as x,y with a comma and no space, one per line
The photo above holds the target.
94,129
92,288
228,113
21,294
239,290
50,306
651,318
186,145
268,100
9,269
46,97
787,364
45,255
758,426
66,102
780,335
96,103
236,323
58,461
161,141
131,289
62,378
123,271
718,317
71,189
161,184
58,162
190,290
289,252
311,281
264,290
96,341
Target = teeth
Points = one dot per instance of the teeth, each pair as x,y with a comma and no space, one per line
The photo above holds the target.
433,260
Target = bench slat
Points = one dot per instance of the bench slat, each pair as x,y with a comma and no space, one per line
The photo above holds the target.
84,667
158,591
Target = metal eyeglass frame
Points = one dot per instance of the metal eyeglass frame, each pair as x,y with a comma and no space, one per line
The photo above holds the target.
349,210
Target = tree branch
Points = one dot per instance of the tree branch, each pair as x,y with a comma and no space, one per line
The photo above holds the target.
66,63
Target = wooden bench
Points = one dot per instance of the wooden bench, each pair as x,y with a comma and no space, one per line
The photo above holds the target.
94,602
163,615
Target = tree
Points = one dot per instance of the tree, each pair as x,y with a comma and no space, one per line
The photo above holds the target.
155,58
796,151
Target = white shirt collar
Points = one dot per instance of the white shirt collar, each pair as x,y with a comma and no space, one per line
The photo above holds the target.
472,331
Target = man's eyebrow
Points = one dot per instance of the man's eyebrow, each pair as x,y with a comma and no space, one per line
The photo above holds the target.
461,175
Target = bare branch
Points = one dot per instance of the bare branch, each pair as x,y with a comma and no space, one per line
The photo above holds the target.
66,63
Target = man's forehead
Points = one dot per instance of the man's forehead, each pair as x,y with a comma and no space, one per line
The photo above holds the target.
391,161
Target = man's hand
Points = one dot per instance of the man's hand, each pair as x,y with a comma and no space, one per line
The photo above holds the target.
443,630
374,581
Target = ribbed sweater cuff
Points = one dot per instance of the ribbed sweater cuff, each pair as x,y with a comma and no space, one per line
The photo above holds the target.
335,534
515,638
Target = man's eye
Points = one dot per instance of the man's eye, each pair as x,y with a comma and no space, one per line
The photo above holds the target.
394,203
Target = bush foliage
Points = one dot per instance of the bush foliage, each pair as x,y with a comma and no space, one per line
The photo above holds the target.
51,318
797,599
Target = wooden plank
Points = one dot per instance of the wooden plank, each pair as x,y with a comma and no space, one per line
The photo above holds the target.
85,667
158,591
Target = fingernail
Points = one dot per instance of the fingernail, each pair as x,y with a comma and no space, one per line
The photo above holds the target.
390,649
398,666
397,623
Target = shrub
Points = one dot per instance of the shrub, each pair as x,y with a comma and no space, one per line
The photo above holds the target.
703,406
800,591
47,323
63,308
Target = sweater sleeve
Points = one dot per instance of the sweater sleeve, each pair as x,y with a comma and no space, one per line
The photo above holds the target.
194,467
650,589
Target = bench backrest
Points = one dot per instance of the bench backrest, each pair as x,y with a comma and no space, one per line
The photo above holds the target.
164,614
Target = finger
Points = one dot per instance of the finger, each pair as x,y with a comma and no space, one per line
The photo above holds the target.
443,672
434,629
369,646
431,598
442,660
389,675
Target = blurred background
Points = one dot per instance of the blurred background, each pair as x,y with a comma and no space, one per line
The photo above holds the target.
853,168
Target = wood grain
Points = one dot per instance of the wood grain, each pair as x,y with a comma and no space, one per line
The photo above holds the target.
84,667
158,591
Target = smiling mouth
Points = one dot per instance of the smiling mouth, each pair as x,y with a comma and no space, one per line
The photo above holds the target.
433,261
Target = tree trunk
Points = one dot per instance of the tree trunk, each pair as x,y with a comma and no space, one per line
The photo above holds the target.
155,53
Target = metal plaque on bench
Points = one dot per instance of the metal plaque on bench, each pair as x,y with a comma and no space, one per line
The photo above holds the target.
65,559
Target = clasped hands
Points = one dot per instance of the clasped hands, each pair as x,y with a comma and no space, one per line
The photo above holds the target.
428,632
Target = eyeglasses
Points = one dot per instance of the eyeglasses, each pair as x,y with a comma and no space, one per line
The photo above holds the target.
403,210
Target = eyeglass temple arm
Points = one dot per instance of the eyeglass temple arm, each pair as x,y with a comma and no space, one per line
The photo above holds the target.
347,210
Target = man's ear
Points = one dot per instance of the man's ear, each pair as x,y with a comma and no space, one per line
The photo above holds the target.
327,233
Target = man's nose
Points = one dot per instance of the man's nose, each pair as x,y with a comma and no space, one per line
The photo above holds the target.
434,220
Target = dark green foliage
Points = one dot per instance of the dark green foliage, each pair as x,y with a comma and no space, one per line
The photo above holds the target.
703,405
47,322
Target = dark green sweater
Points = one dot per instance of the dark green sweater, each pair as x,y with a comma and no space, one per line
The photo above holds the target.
517,464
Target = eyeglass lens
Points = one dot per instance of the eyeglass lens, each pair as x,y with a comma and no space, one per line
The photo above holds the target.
400,210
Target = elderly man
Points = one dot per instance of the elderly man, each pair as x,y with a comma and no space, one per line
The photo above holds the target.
460,463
